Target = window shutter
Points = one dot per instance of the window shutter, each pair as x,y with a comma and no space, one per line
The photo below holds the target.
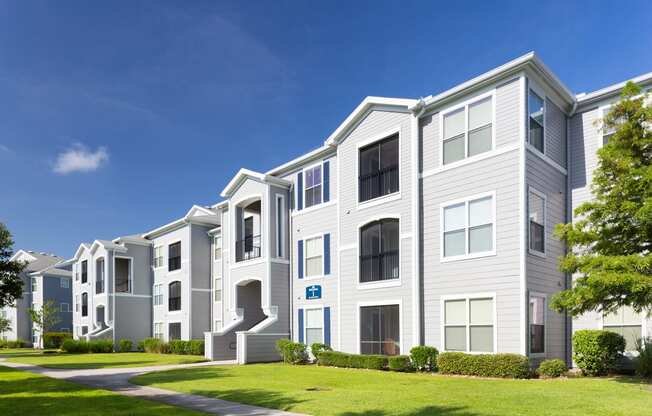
326,181
327,326
300,191
300,259
300,321
327,254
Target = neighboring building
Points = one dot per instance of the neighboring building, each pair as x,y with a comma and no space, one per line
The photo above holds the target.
46,278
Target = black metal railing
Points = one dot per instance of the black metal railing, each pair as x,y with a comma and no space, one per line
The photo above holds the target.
84,310
248,248
379,183
174,263
99,286
377,267
174,304
122,285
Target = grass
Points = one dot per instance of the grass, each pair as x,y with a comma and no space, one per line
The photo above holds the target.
349,392
23,393
86,361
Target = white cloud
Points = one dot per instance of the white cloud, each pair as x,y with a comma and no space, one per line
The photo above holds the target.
80,159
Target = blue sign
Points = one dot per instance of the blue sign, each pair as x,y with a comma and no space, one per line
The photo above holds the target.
313,292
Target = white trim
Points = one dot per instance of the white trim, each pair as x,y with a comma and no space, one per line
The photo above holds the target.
280,227
379,200
547,158
468,297
539,92
532,190
130,295
398,302
370,141
131,274
601,111
305,256
522,210
317,306
339,263
545,326
154,266
379,283
199,289
297,213
470,160
319,164
181,259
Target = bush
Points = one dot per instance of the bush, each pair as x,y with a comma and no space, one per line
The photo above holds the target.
195,347
154,345
18,343
177,346
340,359
644,360
333,359
55,339
317,347
100,346
140,346
292,352
75,346
484,365
280,346
399,363
424,358
125,345
552,368
597,352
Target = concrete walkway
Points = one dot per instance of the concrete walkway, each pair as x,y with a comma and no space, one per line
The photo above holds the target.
117,380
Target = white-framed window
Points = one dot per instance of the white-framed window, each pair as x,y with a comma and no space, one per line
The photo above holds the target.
312,188
64,283
123,274
217,325
536,121
217,247
158,295
64,307
469,324
158,256
76,303
606,132
76,269
468,227
158,330
314,258
626,322
468,129
34,284
537,324
218,290
280,226
314,326
537,221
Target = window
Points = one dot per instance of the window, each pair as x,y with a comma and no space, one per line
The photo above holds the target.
34,284
76,268
158,295
99,276
84,271
536,111
174,296
34,337
626,322
174,331
84,304
379,251
218,290
314,257
313,186
380,330
218,325
468,228
537,215
158,330
217,248
174,256
76,303
64,307
468,131
158,256
378,166
64,283
468,325
314,326
537,324
122,274
280,225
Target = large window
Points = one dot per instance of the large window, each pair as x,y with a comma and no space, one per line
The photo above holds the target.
34,284
84,271
217,248
84,304
99,276
218,290
122,275
158,256
314,257
174,296
378,165
536,109
380,330
158,330
469,325
314,326
174,256
379,251
158,295
537,216
537,318
313,187
468,131
64,283
174,331
468,228
626,322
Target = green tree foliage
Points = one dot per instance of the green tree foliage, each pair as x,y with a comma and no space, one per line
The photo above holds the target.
5,325
610,245
11,285
45,317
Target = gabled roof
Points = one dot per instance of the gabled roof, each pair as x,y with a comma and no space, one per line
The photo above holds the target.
35,260
612,90
108,245
133,239
245,174
54,270
197,214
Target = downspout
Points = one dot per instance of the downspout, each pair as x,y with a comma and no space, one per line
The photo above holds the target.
289,247
568,323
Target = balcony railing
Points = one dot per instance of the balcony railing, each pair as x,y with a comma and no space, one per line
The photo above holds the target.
377,267
247,248
99,286
122,285
379,183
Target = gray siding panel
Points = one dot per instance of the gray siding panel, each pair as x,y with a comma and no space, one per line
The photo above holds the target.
555,133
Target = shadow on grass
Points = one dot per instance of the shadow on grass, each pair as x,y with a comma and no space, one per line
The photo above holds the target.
645,384
424,411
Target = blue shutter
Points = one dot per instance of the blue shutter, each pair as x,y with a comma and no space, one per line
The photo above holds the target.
300,325
300,258
300,191
326,181
327,326
327,254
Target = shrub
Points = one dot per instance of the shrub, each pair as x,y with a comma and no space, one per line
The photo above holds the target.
399,363
280,346
644,359
72,346
340,359
100,346
140,346
552,368
484,365
597,352
55,339
424,358
125,345
293,352
333,359
18,343
177,346
154,345
318,347
195,347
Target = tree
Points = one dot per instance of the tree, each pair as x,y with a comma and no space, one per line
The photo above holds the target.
44,318
11,285
5,325
610,245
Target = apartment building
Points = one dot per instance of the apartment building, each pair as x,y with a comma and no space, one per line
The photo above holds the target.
46,277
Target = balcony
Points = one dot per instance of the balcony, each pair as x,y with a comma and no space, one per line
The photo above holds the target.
248,248
379,183
379,267
99,286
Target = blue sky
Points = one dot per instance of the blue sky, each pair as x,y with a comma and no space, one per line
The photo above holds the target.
116,117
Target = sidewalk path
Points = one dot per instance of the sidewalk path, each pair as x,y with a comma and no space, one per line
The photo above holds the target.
117,380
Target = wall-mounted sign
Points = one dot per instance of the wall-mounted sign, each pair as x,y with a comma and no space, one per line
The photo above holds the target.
313,292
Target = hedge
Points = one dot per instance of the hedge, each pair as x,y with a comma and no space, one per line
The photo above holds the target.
484,365
317,347
552,368
597,352
292,352
75,346
177,346
154,345
424,358
125,345
19,343
399,363
340,359
55,339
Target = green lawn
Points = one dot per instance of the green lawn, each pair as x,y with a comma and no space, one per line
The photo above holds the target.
335,391
23,393
127,359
